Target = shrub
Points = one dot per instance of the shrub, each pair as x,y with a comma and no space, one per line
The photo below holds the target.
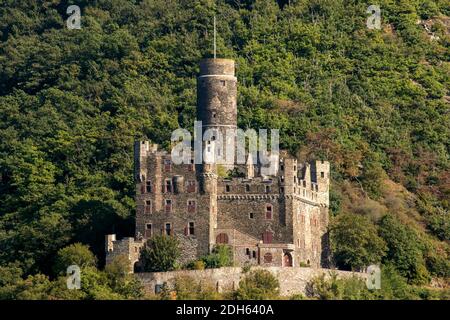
221,256
196,265
187,288
258,285
439,223
160,254
333,288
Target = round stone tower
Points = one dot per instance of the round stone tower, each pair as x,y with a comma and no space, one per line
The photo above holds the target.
217,102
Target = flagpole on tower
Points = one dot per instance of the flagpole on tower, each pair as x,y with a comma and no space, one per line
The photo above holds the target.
215,47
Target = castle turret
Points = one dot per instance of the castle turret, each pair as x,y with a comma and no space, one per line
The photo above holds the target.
217,104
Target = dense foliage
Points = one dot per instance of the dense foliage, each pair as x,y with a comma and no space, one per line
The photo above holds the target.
160,254
258,285
373,102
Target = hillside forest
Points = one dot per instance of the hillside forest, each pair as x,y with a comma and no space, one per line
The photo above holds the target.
373,102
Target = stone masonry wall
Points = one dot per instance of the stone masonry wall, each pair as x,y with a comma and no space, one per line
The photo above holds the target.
292,280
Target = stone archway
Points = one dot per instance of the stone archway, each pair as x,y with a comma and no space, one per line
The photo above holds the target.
287,260
137,267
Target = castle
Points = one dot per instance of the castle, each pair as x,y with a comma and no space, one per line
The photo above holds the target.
275,217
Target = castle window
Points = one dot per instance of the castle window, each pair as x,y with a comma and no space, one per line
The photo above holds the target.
322,174
268,211
295,168
167,165
282,189
247,188
168,205
191,228
268,258
267,237
227,188
282,167
214,115
304,183
223,83
282,178
148,207
222,238
191,186
191,166
148,230
168,229
251,215
191,206
247,251
148,186
168,186
254,254
267,189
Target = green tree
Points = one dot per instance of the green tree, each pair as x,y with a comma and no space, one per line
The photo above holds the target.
120,279
75,254
355,242
404,250
160,254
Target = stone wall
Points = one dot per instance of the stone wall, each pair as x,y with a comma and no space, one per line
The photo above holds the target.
292,280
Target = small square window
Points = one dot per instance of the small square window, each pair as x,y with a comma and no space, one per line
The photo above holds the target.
191,186
227,188
251,215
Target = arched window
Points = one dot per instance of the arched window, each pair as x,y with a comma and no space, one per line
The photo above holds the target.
268,258
222,238
287,260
